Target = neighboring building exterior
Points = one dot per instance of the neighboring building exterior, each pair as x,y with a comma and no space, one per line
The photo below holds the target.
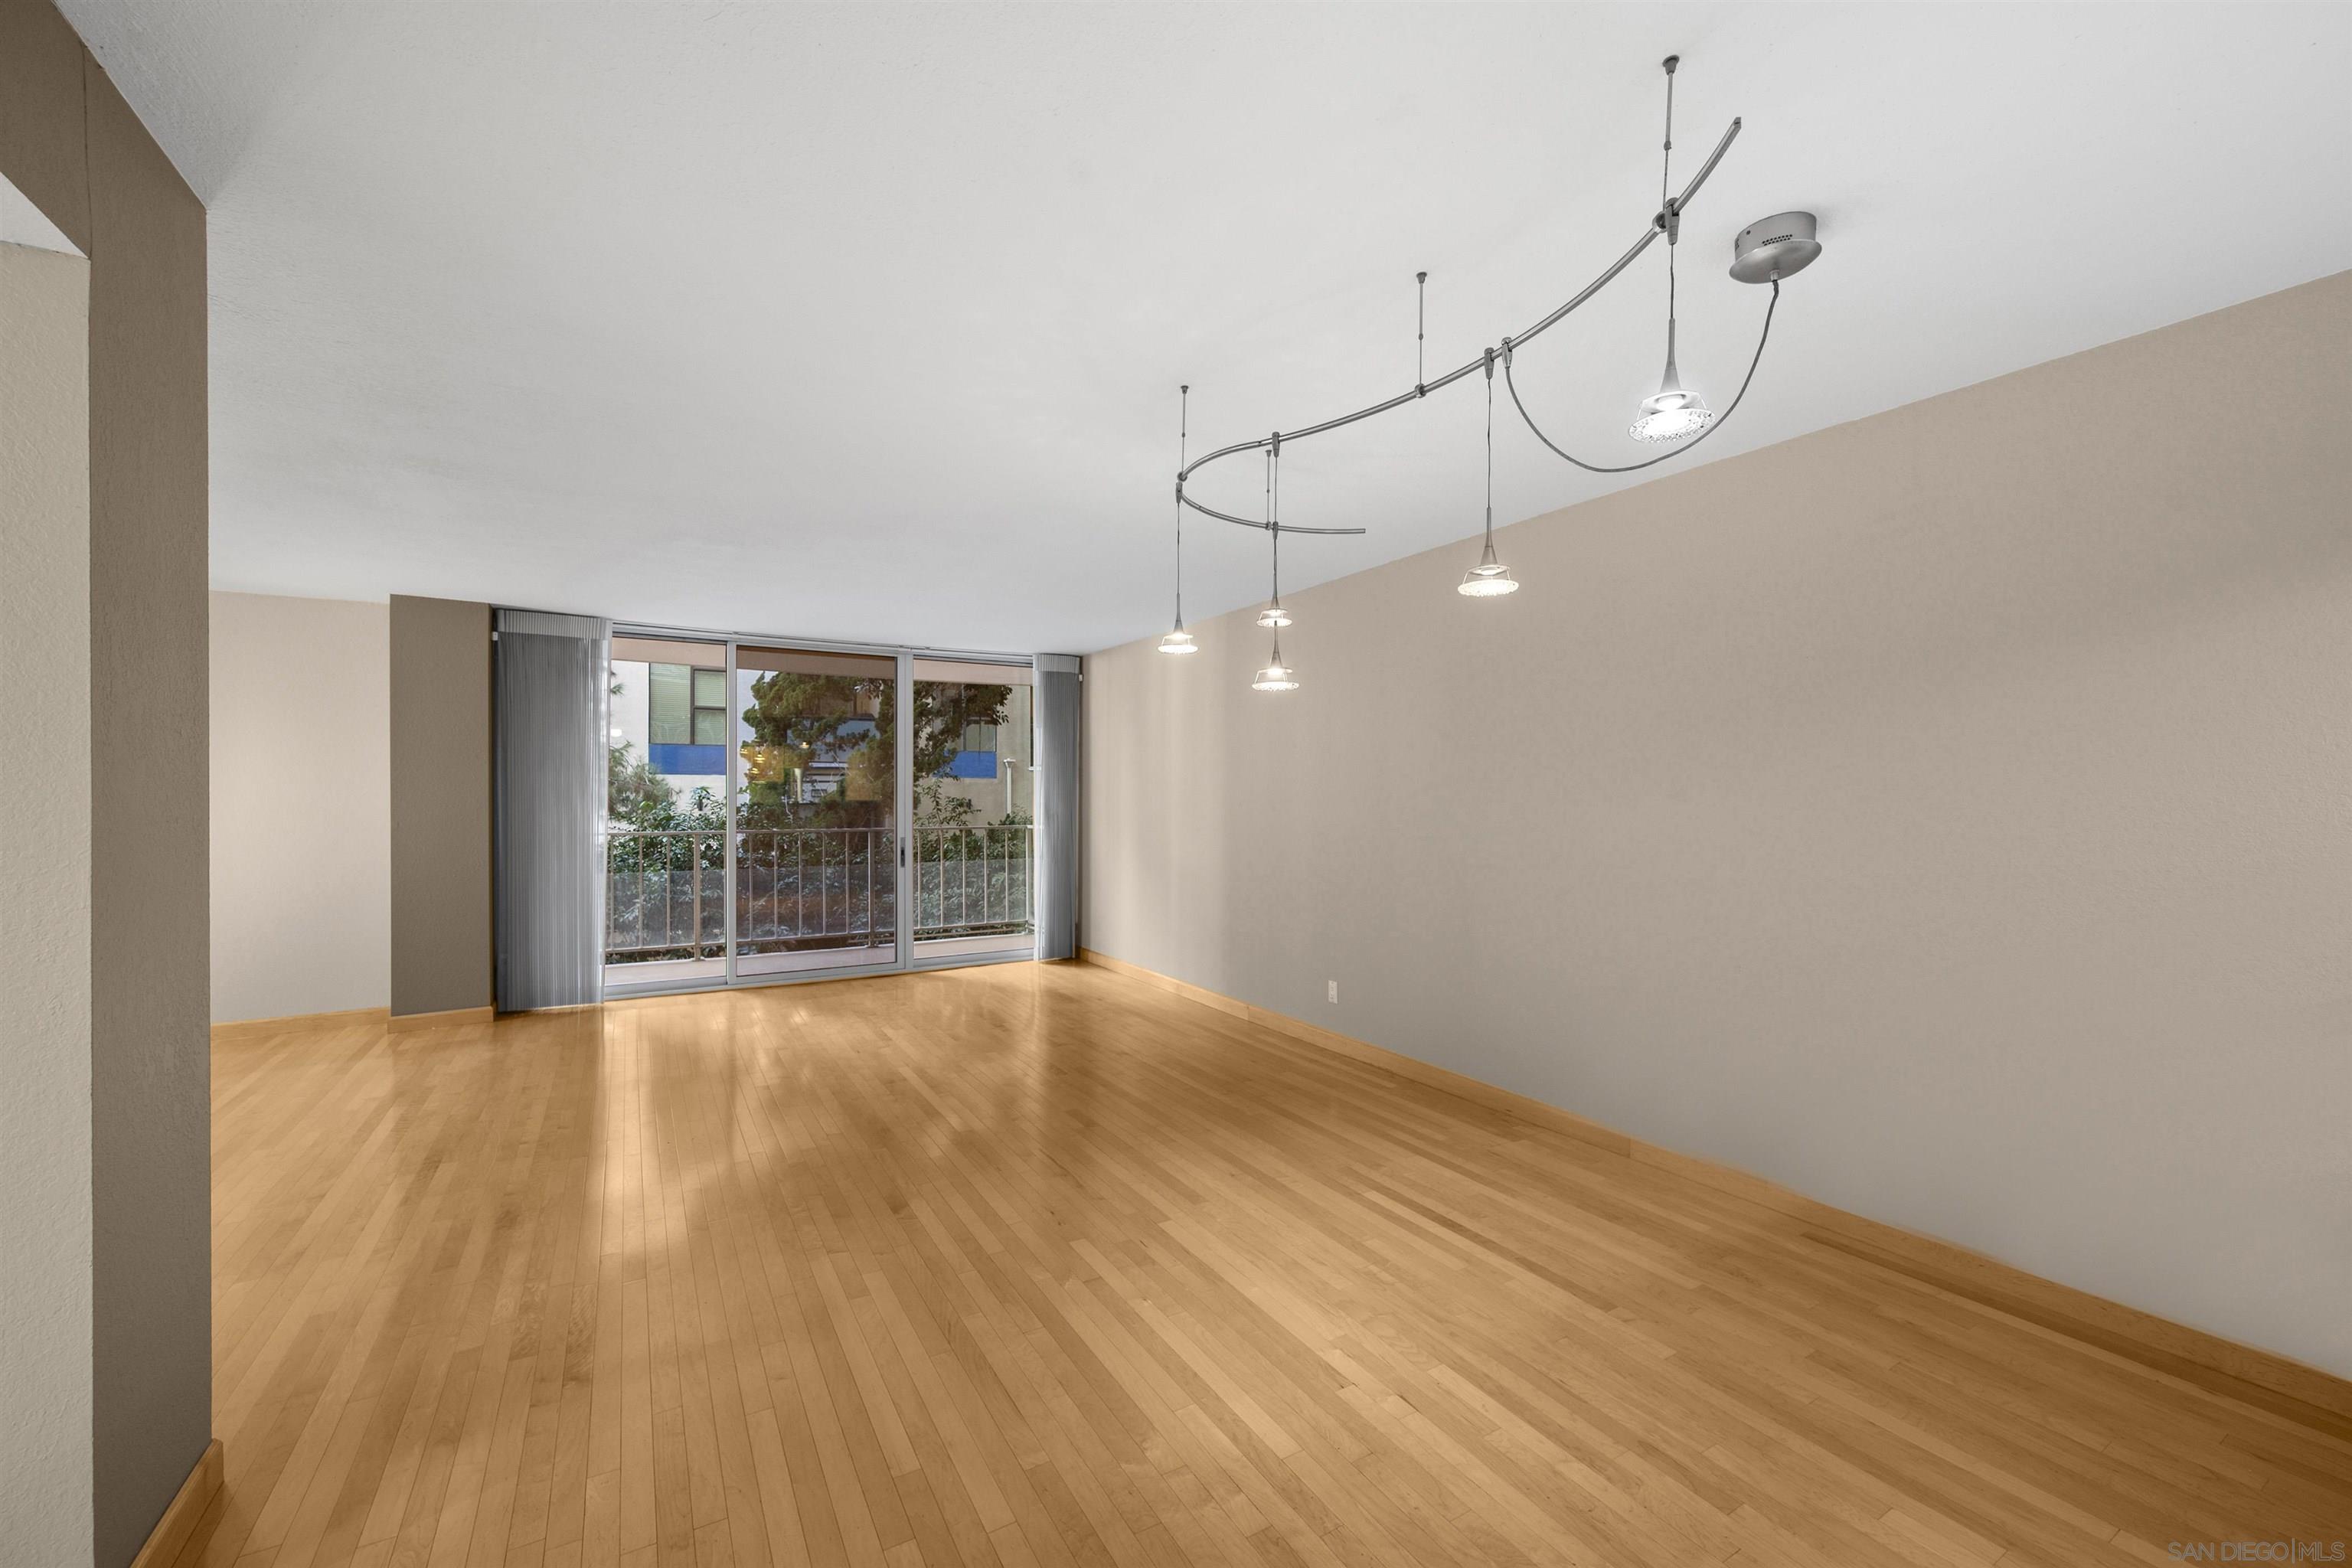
996,767
660,712
677,717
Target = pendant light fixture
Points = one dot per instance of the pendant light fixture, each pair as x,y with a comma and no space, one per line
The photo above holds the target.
1273,616
1180,640
1671,413
1490,579
1276,676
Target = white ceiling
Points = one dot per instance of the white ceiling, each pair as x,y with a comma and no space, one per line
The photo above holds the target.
866,322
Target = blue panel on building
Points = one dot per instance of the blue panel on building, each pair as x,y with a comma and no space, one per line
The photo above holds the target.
693,762
971,765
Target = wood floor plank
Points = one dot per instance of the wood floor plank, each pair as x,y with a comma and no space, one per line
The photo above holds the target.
1040,1263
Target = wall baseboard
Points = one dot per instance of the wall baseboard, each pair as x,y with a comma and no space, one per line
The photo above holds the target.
179,1521
239,1028
2264,1378
401,1023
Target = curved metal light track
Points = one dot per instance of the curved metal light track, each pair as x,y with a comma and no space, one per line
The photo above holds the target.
1657,225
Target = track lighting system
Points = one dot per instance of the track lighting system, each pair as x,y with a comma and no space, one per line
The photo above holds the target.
1765,252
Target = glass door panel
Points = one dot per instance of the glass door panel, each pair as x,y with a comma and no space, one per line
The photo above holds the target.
975,800
666,813
816,810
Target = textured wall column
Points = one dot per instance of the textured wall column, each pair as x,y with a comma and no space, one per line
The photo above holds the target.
45,1225
150,846
71,145
441,945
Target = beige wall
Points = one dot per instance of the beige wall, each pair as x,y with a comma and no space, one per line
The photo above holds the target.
301,806
1945,815
44,1062
71,145
440,805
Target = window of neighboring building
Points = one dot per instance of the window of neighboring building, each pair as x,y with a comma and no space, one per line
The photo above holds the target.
709,707
979,738
687,705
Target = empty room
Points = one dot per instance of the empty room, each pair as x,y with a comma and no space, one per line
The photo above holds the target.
1160,786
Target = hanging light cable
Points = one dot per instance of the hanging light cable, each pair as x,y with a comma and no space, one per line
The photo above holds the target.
1671,413
1420,334
1274,616
1276,676
1490,578
1180,640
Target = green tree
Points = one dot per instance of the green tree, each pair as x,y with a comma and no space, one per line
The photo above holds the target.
640,798
631,785
797,721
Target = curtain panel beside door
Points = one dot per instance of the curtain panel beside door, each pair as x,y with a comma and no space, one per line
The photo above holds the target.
551,724
1059,709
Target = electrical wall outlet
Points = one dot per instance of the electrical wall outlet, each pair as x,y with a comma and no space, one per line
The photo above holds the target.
1334,986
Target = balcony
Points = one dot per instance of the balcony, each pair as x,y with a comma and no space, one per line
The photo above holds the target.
812,889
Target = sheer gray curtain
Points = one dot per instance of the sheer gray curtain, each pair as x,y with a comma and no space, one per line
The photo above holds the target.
551,718
1058,709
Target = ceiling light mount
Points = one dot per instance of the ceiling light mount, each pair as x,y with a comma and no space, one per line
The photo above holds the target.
1780,245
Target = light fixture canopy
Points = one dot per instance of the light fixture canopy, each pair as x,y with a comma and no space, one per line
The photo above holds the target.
1775,247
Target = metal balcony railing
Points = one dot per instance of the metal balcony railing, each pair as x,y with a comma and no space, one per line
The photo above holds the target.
801,889
974,881
665,895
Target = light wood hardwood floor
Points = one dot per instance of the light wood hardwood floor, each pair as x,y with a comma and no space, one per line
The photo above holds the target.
1042,1264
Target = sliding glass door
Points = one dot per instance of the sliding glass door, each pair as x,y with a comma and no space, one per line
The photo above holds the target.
816,810
780,811
975,804
666,803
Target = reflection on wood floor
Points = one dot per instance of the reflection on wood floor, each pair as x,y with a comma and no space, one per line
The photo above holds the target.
1040,1263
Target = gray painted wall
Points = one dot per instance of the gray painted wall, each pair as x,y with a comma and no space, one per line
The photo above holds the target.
45,1064
72,146
1943,815
151,1098
301,812
440,807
